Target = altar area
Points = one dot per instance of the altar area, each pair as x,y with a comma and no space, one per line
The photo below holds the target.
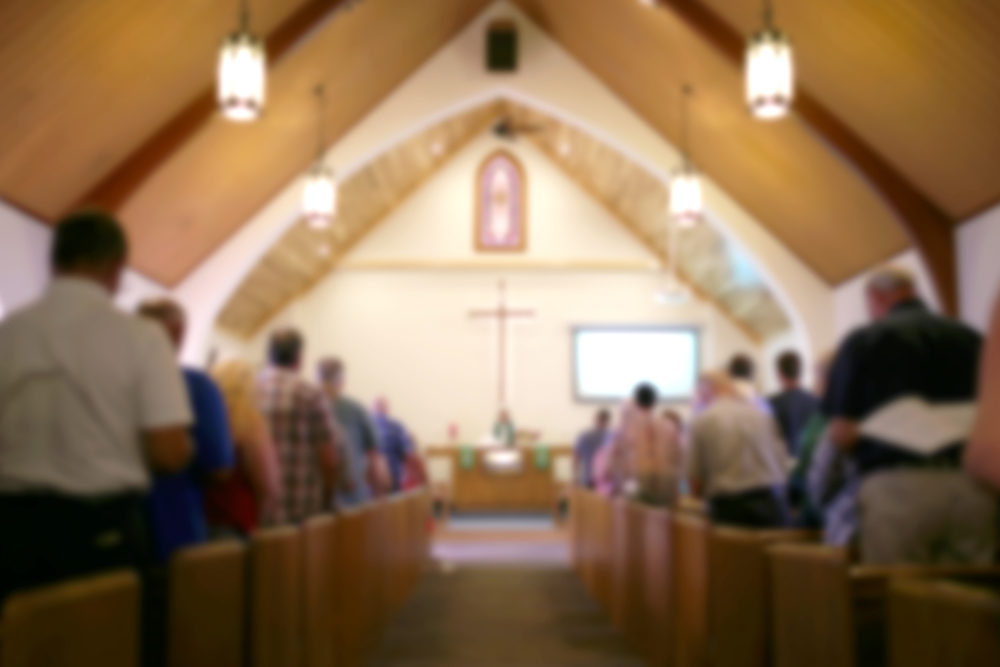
473,478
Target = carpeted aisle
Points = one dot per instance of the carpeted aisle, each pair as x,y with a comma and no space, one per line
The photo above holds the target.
485,615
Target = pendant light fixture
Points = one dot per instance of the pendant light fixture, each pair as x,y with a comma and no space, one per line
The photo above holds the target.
685,185
770,71
319,194
242,75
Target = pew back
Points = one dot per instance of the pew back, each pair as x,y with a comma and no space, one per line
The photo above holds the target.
207,602
739,592
657,587
943,624
89,621
276,607
828,613
689,542
319,536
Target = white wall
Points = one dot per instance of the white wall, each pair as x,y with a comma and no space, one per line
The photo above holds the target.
548,79
24,261
405,332
978,242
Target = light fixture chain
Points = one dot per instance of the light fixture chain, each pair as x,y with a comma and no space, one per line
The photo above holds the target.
685,145
320,134
245,15
768,14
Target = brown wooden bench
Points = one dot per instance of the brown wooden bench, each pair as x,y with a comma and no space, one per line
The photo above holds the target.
350,564
320,590
828,612
934,623
657,586
739,590
276,608
689,549
87,621
206,616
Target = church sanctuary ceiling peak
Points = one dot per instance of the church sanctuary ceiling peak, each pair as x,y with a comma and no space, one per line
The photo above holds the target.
714,271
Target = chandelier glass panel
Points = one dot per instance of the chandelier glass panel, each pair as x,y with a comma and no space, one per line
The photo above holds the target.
770,71
241,80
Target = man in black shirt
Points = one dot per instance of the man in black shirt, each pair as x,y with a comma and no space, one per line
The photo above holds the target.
793,406
912,508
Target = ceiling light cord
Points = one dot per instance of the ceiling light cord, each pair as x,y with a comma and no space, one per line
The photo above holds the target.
768,14
245,15
686,92
321,114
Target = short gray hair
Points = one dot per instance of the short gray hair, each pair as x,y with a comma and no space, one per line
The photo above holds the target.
891,279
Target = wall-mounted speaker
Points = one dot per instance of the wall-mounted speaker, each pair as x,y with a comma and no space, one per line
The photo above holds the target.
501,46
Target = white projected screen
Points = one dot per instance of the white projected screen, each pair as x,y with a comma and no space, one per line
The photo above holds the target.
609,363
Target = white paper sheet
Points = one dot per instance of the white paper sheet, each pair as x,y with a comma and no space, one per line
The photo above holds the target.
919,426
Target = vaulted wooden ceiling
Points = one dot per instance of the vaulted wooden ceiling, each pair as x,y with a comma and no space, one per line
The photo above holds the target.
894,136
636,198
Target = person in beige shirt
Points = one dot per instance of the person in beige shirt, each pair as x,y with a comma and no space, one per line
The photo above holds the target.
736,458
645,451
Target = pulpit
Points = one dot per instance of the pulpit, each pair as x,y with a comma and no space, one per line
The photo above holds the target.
501,479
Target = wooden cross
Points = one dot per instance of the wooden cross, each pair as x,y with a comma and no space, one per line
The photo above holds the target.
502,313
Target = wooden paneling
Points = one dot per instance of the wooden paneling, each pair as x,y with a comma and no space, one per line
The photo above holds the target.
82,84
919,80
781,173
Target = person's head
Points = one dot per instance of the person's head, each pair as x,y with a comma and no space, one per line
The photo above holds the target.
503,416
645,396
381,406
742,367
285,348
674,418
169,314
714,385
888,287
789,365
237,384
92,245
602,420
331,373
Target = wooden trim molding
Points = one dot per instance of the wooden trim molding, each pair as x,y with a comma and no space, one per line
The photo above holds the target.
929,228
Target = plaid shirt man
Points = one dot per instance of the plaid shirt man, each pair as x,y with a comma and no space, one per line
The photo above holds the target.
301,424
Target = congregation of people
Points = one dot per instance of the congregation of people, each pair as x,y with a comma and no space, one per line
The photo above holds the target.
114,455
808,459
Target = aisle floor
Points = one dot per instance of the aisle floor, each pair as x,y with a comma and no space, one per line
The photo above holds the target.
511,600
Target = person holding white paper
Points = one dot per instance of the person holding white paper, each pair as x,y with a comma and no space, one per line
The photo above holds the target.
899,401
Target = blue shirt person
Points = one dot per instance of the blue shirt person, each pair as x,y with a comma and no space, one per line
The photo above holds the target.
587,445
396,443
176,510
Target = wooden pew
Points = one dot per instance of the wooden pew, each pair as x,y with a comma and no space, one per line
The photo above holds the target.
276,609
87,621
603,552
935,623
619,557
348,629
689,549
635,617
739,590
206,606
320,590
827,612
657,587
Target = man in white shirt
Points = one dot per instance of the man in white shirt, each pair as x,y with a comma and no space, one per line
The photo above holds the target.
737,459
90,399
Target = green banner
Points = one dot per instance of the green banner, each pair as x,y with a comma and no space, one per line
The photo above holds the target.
543,457
467,457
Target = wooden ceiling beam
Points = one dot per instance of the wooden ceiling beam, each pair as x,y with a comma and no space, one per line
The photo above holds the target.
122,181
930,230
